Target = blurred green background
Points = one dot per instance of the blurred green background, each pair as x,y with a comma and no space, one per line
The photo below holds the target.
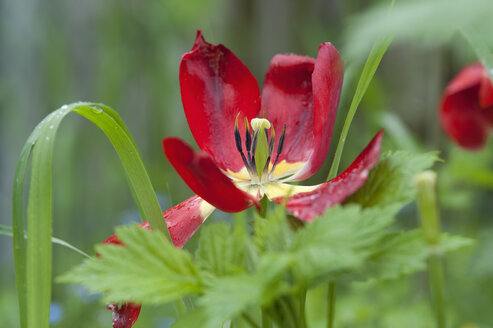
126,54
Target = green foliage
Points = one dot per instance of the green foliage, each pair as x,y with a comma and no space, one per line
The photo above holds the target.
390,181
148,269
221,251
346,243
339,241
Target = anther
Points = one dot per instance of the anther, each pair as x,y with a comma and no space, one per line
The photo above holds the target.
280,147
248,139
238,146
237,135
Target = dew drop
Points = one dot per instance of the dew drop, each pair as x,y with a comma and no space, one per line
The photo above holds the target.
47,138
52,126
96,109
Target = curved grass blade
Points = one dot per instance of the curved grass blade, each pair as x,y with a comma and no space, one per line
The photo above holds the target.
8,231
371,65
33,262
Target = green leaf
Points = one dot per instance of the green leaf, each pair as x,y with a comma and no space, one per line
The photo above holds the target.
8,231
272,233
148,269
398,254
228,297
338,242
33,262
403,253
390,181
221,251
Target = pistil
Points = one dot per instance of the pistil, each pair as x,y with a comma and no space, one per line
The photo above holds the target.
259,148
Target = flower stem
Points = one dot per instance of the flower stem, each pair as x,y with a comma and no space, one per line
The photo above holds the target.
425,183
331,304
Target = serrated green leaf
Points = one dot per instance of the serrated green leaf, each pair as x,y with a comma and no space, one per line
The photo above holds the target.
450,243
339,241
390,181
398,254
403,253
221,251
272,233
228,297
148,269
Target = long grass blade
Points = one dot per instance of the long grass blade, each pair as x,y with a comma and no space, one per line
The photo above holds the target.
33,259
371,65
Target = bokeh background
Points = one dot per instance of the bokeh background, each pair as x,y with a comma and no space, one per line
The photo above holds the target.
126,54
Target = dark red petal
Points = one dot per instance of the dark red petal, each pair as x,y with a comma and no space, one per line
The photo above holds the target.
215,87
303,93
185,218
467,78
461,115
309,205
182,221
124,316
202,175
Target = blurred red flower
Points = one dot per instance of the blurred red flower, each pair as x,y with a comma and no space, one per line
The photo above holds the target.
467,107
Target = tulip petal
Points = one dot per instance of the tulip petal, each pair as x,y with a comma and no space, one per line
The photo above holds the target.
185,218
202,175
308,205
124,316
182,221
303,94
461,114
216,86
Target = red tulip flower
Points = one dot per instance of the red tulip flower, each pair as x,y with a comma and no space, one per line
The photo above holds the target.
467,107
242,160
298,103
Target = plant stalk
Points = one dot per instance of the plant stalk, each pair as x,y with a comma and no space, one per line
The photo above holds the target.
425,183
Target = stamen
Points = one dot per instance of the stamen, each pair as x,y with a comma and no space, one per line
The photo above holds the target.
280,147
238,145
248,139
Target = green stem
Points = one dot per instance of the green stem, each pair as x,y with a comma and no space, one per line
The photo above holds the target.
425,183
331,304
435,274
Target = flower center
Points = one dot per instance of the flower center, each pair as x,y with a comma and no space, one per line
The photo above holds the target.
259,148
